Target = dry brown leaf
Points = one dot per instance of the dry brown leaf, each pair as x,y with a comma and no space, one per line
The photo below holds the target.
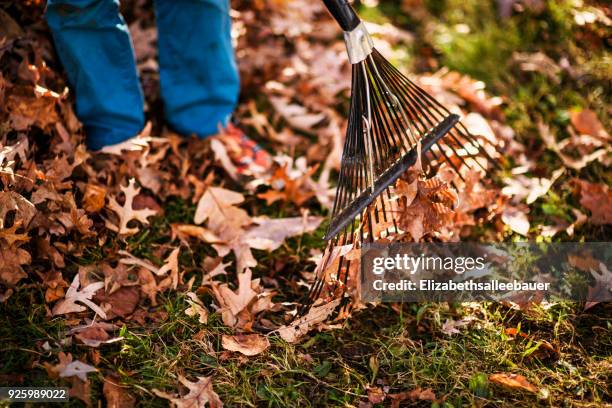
574,163
413,395
95,333
117,395
296,187
126,212
12,201
513,381
218,205
516,219
170,270
586,121
11,260
84,296
69,368
200,393
238,309
269,234
596,198
292,332
121,303
520,186
601,289
247,344
297,116
11,236
196,308
94,198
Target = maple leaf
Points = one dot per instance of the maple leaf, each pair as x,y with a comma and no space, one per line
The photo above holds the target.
247,344
126,213
73,295
200,393
292,332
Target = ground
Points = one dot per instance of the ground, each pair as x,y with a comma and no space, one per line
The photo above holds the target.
530,76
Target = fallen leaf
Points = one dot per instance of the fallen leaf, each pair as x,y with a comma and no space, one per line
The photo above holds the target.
117,395
247,344
513,381
196,308
450,326
269,234
413,395
520,186
200,393
601,290
126,212
574,163
596,198
292,332
516,219
239,308
95,333
375,395
73,295
217,204
11,260
69,368
94,198
586,121
120,303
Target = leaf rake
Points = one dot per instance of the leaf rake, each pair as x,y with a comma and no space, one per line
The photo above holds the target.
391,122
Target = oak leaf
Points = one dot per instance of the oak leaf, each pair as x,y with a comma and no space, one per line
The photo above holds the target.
596,198
196,308
73,295
247,344
126,212
292,332
200,393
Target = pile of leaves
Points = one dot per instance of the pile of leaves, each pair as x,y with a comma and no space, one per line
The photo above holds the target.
105,234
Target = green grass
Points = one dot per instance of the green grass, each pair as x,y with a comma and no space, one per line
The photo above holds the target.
378,347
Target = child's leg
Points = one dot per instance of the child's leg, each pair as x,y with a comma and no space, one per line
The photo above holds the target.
94,46
198,72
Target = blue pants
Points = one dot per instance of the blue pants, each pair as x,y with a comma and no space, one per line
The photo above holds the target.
198,73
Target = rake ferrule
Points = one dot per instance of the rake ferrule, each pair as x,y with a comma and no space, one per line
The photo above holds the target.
359,44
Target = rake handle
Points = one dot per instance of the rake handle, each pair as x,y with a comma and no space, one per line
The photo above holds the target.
344,14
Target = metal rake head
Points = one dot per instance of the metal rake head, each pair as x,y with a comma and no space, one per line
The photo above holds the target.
391,122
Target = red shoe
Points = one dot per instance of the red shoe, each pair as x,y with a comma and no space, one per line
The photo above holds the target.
248,157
